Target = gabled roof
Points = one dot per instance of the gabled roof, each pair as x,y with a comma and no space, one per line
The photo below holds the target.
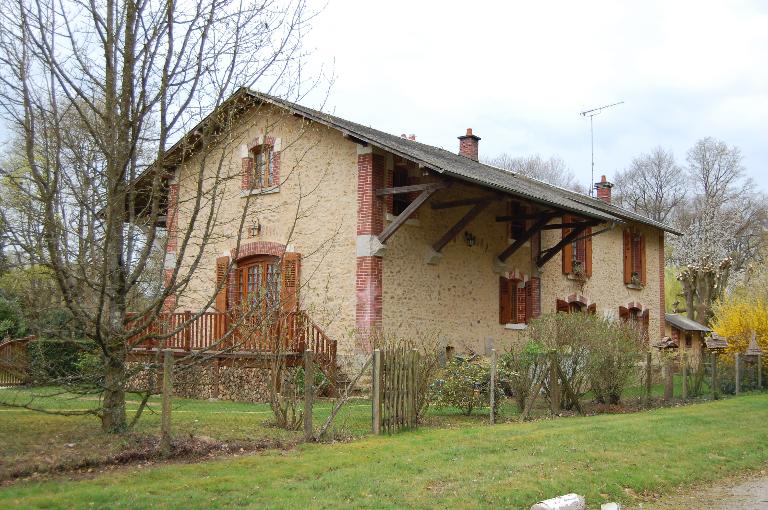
684,323
463,168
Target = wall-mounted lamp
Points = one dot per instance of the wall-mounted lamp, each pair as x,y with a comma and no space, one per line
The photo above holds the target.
255,229
470,239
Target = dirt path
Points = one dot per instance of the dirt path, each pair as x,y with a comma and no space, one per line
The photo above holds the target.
745,493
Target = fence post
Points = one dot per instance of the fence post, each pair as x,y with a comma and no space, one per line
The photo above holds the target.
669,380
738,373
165,423
492,396
376,400
715,393
309,392
684,361
759,372
648,378
554,385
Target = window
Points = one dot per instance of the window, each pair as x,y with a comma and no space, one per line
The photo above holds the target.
636,317
688,341
512,302
563,306
263,167
401,200
634,259
577,255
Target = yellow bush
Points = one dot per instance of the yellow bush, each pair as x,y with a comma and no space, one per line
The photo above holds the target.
736,317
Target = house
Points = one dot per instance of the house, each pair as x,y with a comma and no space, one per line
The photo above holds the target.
363,231
687,334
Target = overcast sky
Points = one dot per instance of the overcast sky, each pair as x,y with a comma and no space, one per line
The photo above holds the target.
520,72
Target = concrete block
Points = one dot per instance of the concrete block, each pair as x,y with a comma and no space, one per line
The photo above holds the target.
566,502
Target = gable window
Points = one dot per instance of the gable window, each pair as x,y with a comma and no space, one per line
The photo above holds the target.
577,255
263,167
634,259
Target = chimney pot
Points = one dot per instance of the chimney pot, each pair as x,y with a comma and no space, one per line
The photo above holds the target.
468,145
604,189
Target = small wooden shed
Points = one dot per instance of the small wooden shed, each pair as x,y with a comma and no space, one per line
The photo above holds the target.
687,334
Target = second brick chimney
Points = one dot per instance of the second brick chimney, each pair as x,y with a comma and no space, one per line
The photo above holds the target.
468,145
604,190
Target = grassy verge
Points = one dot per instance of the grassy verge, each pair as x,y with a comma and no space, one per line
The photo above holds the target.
610,457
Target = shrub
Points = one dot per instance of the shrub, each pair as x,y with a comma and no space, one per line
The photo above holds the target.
521,371
464,384
12,323
58,361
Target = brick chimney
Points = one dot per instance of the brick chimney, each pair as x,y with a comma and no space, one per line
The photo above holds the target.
468,145
604,190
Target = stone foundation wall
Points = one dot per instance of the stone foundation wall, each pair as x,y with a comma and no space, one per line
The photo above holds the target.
225,382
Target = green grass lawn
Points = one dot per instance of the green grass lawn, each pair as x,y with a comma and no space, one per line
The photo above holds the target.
512,465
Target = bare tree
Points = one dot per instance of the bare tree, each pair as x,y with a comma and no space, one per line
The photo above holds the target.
552,171
716,171
96,92
653,185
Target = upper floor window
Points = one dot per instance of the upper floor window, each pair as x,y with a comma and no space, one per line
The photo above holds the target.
634,259
263,167
577,255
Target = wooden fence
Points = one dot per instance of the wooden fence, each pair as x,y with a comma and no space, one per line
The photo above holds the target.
395,383
13,361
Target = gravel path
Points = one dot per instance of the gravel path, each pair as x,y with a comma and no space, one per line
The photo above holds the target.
737,494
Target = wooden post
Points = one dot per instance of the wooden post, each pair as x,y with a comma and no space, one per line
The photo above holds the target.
715,392
376,393
554,385
684,361
738,373
759,372
165,422
187,330
492,396
648,378
309,392
669,380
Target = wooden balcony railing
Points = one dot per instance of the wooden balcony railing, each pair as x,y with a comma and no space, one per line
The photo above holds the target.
223,332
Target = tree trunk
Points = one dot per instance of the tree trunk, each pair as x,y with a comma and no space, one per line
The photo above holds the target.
113,415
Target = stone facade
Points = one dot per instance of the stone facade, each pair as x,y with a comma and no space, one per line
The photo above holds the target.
323,206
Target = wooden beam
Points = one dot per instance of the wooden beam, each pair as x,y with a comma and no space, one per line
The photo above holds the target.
463,222
536,227
354,139
556,226
529,216
546,255
411,188
463,202
403,216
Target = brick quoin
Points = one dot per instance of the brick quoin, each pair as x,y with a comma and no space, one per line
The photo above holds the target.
662,297
370,221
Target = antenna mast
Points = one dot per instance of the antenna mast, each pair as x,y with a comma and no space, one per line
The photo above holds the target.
591,113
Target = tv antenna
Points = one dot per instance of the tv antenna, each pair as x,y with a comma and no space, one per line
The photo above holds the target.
591,113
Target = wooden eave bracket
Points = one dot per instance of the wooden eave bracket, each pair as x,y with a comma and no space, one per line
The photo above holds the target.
527,235
546,255
461,224
430,186
463,202
427,191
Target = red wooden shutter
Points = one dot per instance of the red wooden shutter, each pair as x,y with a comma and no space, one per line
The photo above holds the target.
588,253
567,251
642,259
535,284
521,295
529,298
627,257
505,301
562,306
624,313
247,173
222,272
291,280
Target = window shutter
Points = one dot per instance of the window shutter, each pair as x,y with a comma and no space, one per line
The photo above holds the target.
562,306
535,284
291,280
588,253
247,173
222,287
627,257
646,317
624,313
592,309
521,303
567,251
505,301
529,288
642,259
